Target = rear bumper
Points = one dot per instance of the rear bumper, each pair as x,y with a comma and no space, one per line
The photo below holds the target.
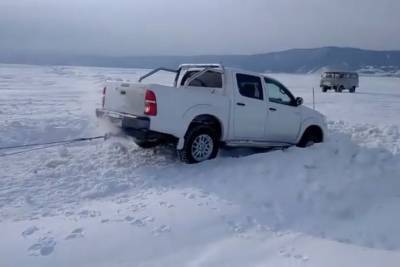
125,121
136,126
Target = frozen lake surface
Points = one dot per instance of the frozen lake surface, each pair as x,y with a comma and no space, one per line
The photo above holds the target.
109,203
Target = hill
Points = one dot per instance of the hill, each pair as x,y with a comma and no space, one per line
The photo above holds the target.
385,63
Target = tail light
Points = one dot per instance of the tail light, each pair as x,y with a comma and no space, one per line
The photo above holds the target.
150,103
103,99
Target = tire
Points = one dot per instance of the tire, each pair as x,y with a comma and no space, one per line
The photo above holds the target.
145,144
324,89
197,139
340,89
352,90
309,139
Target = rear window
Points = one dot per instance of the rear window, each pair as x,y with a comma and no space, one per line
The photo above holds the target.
210,79
250,86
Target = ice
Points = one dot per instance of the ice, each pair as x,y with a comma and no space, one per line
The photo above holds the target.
109,203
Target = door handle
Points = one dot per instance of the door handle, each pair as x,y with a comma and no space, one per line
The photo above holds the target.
272,109
241,104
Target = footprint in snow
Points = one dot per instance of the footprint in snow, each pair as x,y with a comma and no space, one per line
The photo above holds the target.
69,213
189,195
29,231
166,204
138,223
161,230
129,218
204,195
55,163
89,213
291,254
77,233
148,219
310,166
137,207
44,247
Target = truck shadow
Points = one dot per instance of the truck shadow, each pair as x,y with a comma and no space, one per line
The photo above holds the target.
229,152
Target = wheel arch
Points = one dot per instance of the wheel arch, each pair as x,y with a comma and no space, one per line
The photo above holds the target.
207,119
202,114
204,111
315,130
312,119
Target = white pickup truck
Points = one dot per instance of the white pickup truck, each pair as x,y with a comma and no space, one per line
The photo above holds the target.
208,106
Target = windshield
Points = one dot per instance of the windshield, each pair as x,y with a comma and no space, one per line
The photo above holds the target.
328,75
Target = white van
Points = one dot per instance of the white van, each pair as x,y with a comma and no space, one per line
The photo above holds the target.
339,81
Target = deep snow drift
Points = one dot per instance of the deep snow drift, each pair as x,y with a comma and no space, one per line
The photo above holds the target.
109,203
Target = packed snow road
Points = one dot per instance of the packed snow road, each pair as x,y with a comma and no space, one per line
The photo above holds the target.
109,203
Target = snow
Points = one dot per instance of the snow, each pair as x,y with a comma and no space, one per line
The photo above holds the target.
110,203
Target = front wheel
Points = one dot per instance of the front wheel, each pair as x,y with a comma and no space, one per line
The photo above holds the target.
309,139
201,144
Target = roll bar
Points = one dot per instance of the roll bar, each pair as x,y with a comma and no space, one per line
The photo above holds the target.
155,71
185,66
210,66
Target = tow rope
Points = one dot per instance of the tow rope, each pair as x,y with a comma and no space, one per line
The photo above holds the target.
40,146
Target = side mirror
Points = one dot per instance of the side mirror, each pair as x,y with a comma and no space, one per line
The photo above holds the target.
299,101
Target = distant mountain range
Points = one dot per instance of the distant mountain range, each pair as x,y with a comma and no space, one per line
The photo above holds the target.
313,60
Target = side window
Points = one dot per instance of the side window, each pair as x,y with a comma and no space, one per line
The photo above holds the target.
279,94
250,86
187,76
208,79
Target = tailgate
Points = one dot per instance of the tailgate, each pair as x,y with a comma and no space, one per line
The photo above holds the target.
125,98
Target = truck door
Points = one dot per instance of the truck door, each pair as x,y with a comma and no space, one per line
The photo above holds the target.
249,108
284,116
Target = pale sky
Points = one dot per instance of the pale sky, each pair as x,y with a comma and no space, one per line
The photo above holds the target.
192,27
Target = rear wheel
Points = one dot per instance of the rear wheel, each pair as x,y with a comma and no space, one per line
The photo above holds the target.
353,89
145,143
201,144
